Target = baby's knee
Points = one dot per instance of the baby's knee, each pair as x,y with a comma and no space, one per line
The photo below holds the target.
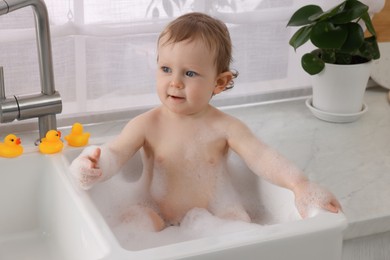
142,217
236,214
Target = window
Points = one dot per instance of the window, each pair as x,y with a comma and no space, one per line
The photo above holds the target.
104,51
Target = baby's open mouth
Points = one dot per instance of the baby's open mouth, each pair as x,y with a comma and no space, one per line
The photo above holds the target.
176,97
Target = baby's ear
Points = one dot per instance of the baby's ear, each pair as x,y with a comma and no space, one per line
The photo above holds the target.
222,81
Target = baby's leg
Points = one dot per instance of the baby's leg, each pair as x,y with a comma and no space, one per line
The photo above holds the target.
233,212
142,217
226,202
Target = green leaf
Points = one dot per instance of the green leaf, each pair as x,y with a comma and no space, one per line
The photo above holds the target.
353,10
325,35
355,37
300,37
312,64
367,20
328,14
301,16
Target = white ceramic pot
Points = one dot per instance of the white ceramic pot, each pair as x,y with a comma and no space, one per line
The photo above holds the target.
339,89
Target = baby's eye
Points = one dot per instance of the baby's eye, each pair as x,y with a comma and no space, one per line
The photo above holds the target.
191,74
166,69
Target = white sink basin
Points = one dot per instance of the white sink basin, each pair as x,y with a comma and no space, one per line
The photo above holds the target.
281,234
39,214
43,216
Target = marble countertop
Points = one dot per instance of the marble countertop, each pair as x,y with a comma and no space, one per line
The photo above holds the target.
352,159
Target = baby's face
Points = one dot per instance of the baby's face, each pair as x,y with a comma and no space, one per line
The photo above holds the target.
186,76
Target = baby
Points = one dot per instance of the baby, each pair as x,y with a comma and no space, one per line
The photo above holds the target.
186,141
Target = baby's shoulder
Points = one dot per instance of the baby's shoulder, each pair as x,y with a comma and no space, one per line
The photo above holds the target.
143,121
231,125
148,116
225,119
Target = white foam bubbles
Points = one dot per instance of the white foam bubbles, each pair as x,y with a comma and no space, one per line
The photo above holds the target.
265,203
201,223
197,223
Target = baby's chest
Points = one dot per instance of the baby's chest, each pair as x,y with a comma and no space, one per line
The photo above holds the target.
190,150
185,171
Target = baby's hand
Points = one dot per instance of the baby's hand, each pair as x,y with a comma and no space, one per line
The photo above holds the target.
85,168
309,195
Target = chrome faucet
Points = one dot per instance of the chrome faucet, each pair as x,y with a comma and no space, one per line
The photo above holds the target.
44,105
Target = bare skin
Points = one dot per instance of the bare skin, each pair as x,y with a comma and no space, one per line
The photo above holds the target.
186,142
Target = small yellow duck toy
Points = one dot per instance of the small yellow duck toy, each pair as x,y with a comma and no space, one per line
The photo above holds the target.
77,137
51,143
11,147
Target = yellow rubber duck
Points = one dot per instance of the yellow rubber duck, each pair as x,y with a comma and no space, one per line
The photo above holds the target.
11,147
51,143
77,137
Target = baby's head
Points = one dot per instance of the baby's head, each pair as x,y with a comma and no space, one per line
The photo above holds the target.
212,32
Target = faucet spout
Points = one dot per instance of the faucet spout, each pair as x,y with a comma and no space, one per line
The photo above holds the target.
48,103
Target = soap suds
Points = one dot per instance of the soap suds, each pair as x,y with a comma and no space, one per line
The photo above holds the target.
86,172
265,203
314,198
198,223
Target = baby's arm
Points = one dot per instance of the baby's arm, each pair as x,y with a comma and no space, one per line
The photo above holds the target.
268,163
96,164
309,194
85,168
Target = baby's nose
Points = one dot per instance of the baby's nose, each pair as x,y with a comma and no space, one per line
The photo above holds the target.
177,84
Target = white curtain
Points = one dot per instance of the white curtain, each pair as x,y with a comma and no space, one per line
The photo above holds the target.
104,51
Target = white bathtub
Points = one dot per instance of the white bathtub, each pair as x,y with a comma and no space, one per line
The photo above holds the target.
279,234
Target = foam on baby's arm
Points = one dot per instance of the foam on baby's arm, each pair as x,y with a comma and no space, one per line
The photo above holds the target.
308,195
108,162
87,170
275,168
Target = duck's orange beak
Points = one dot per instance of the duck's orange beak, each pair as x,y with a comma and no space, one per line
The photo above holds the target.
18,141
59,134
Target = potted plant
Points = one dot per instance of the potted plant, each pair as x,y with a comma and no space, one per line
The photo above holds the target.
341,63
